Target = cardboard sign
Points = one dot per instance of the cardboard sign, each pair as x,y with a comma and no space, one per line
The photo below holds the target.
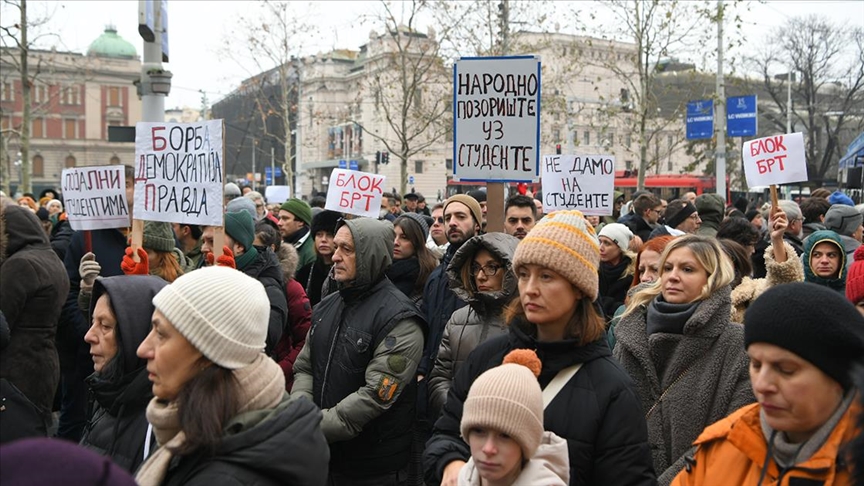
778,159
178,172
355,192
277,194
496,103
95,197
583,182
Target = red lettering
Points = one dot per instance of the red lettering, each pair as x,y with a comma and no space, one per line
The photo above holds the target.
157,138
778,141
340,179
376,185
364,180
343,203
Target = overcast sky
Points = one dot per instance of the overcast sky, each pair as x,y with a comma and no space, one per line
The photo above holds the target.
198,32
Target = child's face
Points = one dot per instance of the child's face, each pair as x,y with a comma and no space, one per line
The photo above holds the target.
496,455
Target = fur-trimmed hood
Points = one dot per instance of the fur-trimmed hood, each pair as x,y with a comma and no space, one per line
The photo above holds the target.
288,260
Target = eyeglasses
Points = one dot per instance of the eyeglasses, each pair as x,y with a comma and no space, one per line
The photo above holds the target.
439,220
490,269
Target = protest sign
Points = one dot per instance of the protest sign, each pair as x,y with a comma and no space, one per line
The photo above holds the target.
355,192
277,194
778,159
496,102
178,172
95,197
583,182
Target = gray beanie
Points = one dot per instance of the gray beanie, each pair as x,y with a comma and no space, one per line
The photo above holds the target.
843,219
221,311
242,204
419,219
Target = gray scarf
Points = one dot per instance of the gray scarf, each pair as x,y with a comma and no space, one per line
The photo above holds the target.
787,454
668,318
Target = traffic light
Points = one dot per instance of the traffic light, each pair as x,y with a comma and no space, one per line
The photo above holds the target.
385,158
377,157
558,149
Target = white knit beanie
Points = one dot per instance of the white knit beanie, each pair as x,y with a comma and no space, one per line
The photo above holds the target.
223,312
618,233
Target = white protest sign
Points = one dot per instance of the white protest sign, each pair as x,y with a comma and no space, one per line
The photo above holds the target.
95,197
277,194
496,102
355,192
583,182
178,172
778,159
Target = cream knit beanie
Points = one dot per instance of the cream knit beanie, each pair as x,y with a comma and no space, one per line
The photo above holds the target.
223,312
563,241
618,233
508,399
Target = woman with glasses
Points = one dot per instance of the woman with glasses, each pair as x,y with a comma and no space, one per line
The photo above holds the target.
412,261
481,274
677,342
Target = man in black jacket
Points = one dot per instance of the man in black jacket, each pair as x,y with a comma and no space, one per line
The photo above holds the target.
646,211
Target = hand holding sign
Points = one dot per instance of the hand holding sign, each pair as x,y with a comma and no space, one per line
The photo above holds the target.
355,192
778,159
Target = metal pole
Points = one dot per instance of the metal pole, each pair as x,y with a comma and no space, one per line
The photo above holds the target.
153,104
254,175
720,120
789,102
272,166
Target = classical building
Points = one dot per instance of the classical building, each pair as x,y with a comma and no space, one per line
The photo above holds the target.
75,98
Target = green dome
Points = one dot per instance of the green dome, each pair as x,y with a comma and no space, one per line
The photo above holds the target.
109,44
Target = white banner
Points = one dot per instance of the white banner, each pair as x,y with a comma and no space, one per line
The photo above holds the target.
277,194
95,197
178,172
583,182
355,192
496,123
778,159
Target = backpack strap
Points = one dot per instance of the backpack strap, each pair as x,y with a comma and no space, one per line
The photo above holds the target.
557,383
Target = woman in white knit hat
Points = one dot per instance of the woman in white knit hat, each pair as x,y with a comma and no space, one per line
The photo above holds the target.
617,266
220,409
591,403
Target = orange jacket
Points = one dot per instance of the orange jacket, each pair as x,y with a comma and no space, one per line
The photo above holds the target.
733,450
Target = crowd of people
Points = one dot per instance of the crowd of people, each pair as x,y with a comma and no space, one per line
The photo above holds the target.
681,342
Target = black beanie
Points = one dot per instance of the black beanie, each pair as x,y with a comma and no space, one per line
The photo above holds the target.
325,221
814,322
677,211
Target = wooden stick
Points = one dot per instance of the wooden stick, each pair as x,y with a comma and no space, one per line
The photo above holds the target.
218,241
775,204
495,199
137,238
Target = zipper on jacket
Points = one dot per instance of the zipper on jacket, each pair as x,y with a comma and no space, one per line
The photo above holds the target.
329,359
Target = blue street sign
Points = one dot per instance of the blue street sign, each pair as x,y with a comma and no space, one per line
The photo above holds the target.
700,119
268,176
343,164
741,120
411,180
353,165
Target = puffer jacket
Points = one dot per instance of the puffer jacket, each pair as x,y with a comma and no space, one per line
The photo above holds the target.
597,412
734,451
33,286
549,466
778,273
685,381
299,315
117,425
266,269
479,321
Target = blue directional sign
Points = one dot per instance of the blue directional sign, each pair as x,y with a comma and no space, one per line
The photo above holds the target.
343,164
700,119
411,180
353,165
741,120
268,176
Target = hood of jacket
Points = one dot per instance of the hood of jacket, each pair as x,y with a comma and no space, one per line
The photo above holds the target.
550,466
373,249
288,260
265,264
711,208
814,239
294,425
19,228
501,246
131,298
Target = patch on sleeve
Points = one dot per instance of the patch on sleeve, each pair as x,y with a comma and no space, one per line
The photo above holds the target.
397,363
389,342
387,387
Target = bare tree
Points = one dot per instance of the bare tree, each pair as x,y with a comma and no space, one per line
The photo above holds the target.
827,62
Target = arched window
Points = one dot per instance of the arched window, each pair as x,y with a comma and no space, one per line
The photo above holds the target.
115,160
38,168
70,162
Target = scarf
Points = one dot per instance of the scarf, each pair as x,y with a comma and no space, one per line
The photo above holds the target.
246,258
787,454
668,318
299,237
260,386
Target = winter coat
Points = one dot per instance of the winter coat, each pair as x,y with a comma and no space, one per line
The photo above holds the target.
61,236
439,304
614,281
266,269
734,451
33,285
117,425
477,322
313,278
778,273
685,381
597,411
550,466
637,224
299,316
280,446
360,360
403,273
305,245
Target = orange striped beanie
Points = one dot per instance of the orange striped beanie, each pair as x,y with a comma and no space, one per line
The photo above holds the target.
564,242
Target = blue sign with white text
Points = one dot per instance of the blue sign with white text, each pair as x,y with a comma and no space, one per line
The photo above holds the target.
268,174
343,164
353,165
700,119
741,120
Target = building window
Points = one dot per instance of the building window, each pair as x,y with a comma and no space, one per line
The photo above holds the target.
7,93
69,95
70,162
628,164
628,140
114,160
448,164
37,129
669,165
669,142
556,135
39,93
38,167
586,137
70,129
611,138
418,166
114,96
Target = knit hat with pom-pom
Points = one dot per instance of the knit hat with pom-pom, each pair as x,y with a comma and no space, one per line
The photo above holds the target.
508,399
855,278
